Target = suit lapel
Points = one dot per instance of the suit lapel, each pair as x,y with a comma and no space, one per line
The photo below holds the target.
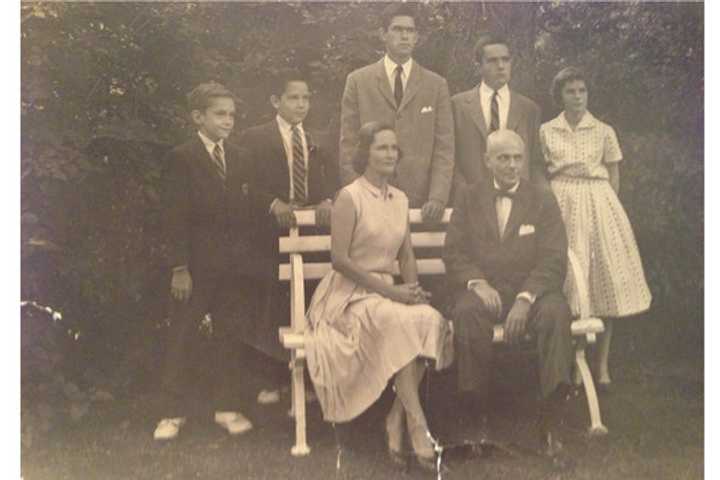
513,119
520,205
231,166
313,168
206,162
278,153
486,199
413,84
236,169
473,101
383,84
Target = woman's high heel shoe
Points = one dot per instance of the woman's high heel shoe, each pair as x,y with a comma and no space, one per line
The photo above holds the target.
424,455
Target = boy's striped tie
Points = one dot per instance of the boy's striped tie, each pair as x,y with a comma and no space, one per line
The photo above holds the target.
298,173
218,162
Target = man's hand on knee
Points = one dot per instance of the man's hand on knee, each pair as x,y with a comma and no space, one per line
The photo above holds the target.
516,321
488,296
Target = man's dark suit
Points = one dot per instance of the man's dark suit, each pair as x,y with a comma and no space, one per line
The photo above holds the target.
263,147
534,262
206,226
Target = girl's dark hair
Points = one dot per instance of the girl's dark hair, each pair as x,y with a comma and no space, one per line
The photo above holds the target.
567,74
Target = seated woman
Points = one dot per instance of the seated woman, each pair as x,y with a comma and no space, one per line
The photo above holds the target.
363,329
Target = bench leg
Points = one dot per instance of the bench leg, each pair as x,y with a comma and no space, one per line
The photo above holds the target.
577,377
596,426
298,409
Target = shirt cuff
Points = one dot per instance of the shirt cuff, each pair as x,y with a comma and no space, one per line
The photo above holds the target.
475,281
273,204
527,296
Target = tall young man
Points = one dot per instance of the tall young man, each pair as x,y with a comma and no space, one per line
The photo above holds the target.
398,91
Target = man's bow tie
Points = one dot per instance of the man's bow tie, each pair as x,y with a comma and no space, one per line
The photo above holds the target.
503,193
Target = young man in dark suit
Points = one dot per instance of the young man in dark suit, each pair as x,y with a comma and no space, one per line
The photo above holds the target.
506,256
207,211
289,171
492,106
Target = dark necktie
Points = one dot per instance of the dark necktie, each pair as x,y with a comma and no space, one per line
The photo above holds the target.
398,86
494,112
298,170
218,162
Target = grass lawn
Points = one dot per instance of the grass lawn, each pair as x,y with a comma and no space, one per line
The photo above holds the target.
654,414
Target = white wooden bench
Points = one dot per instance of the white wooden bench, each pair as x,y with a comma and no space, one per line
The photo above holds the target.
297,272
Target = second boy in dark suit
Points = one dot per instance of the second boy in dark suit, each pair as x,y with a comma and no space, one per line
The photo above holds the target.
289,170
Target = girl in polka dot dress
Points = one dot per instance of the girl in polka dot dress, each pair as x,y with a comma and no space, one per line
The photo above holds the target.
582,155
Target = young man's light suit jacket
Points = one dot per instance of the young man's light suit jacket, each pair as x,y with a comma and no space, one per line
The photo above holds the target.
423,123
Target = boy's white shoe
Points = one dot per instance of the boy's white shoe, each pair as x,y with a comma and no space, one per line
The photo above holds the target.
168,428
266,397
234,422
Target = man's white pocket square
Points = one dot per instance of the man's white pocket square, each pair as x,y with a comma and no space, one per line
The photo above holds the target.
427,109
526,230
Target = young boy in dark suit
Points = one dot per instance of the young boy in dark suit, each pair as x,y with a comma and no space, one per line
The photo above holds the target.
288,171
207,215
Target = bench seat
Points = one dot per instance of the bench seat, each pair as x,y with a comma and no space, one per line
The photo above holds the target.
584,328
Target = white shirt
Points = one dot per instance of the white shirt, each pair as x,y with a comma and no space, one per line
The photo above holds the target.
286,133
210,147
390,71
503,98
503,207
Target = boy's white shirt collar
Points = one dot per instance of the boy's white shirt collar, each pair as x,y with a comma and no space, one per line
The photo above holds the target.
286,126
209,144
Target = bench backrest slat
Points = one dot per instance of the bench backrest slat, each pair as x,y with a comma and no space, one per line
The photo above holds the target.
321,243
295,243
306,218
315,271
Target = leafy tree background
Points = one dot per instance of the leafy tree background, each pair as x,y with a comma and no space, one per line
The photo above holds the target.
103,88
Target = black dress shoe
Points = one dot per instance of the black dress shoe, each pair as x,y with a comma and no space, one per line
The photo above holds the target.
604,387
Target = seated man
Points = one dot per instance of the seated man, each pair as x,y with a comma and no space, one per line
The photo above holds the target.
505,254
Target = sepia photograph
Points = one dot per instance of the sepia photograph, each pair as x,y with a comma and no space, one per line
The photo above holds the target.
361,240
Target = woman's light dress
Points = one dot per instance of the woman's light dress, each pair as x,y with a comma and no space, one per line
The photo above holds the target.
357,339
598,229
